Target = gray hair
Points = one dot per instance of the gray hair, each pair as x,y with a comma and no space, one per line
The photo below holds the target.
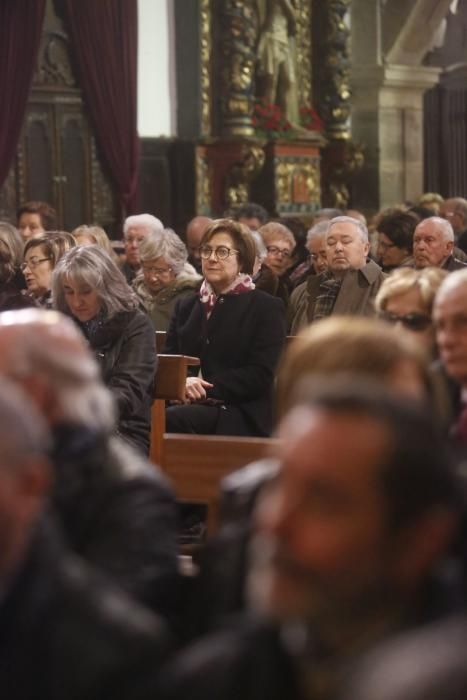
319,229
148,221
442,225
359,225
165,244
47,344
91,266
261,251
12,242
23,431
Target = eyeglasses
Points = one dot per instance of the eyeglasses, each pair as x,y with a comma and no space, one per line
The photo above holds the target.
32,263
274,250
413,322
220,253
157,271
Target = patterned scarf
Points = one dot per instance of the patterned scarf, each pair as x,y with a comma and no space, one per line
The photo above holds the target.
328,290
241,284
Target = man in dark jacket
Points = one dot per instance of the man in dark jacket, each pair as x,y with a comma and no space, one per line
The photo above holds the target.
349,540
116,510
64,631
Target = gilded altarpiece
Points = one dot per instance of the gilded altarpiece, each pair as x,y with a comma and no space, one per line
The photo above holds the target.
234,163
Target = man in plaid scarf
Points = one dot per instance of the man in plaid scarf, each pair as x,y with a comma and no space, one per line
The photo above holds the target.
349,285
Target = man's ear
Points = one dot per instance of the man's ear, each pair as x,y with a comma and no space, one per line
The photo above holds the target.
424,542
449,247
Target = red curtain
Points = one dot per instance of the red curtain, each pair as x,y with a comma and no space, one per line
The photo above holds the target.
20,32
104,37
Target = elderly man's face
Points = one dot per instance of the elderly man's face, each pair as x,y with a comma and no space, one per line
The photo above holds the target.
322,531
345,247
133,237
450,319
430,248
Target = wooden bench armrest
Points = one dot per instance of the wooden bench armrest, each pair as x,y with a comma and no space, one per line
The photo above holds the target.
171,376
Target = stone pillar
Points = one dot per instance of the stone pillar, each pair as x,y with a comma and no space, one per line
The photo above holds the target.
387,117
388,82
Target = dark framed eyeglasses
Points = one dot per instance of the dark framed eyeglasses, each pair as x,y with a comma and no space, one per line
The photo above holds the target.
274,250
32,263
413,322
222,252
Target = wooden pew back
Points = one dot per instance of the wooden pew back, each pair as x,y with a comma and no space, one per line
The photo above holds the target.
196,464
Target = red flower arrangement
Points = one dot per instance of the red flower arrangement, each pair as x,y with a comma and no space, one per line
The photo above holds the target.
310,119
270,122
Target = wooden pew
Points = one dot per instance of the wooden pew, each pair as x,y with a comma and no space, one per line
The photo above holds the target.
169,386
196,464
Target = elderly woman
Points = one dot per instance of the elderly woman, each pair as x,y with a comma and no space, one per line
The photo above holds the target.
280,246
406,299
395,239
40,256
237,332
165,276
88,286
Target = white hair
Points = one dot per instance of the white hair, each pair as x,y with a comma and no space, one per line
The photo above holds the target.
319,229
152,223
48,345
359,225
441,225
165,244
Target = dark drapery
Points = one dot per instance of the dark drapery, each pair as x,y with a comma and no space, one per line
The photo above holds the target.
20,32
104,37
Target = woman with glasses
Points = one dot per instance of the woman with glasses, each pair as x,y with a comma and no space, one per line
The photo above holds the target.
395,239
165,276
88,286
405,299
40,256
12,292
280,247
238,333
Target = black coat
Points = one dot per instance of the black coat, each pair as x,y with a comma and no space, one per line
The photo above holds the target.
117,512
66,633
239,347
125,348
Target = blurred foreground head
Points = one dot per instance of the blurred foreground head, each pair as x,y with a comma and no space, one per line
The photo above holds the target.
360,347
24,474
362,509
47,356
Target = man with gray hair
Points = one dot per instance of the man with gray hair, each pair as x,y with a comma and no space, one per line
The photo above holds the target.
116,510
347,287
433,245
135,229
64,631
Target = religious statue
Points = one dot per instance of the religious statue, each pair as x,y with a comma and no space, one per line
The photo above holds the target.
276,74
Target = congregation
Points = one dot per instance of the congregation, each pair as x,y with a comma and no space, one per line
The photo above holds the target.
338,556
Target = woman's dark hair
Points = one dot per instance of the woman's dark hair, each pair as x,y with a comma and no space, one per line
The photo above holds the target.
242,239
47,214
399,228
